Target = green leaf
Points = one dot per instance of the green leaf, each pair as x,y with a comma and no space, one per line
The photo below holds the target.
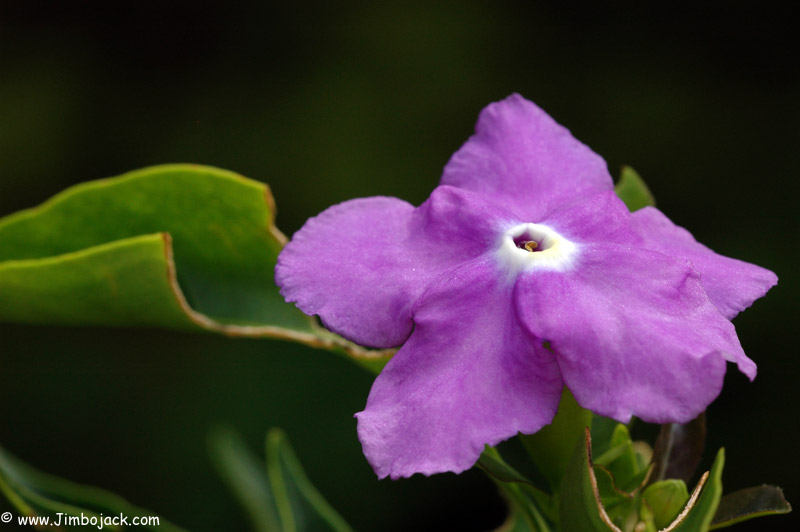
34,493
278,497
527,503
625,514
620,473
700,514
665,499
602,432
632,190
183,247
221,225
551,447
580,508
610,494
749,503
647,521
627,461
491,463
620,503
621,459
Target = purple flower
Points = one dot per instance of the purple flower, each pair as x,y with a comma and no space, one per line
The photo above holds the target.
522,273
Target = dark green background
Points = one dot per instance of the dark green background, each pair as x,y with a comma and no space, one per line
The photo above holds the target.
356,99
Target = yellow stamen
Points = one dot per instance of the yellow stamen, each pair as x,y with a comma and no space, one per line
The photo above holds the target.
531,245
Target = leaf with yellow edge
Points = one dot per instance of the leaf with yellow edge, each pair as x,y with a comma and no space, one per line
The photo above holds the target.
181,246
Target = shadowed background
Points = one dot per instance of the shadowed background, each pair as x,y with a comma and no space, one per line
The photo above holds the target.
358,99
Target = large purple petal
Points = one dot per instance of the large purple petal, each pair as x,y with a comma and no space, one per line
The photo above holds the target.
362,264
345,266
522,158
732,285
468,376
634,333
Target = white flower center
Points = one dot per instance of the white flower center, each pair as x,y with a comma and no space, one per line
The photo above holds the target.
529,246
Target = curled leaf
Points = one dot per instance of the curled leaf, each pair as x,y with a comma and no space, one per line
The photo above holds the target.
750,503
696,516
581,508
184,247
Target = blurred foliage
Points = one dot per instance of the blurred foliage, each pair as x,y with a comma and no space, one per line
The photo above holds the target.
37,494
339,101
277,496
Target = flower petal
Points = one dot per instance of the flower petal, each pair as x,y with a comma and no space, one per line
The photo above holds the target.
634,333
520,157
458,223
468,376
343,265
362,264
602,217
731,284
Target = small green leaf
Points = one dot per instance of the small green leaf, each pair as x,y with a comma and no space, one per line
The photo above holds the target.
621,505
34,493
581,509
749,503
278,497
183,247
700,515
620,459
625,464
610,494
665,499
551,447
632,190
